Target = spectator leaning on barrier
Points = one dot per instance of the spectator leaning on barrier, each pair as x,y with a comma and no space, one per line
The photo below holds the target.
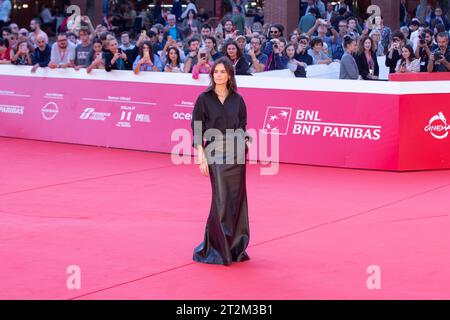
115,59
173,63
366,59
297,67
42,54
96,57
203,65
63,53
147,60
5,52
302,51
316,52
440,58
408,63
24,54
349,68
395,50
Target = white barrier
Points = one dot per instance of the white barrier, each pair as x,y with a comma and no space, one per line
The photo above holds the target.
322,71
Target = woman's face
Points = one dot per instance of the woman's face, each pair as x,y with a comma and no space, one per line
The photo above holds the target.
191,15
97,47
113,46
173,55
281,46
232,51
220,75
294,38
352,46
318,47
405,53
290,51
145,48
367,44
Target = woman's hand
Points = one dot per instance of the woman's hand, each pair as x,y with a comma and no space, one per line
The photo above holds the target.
204,167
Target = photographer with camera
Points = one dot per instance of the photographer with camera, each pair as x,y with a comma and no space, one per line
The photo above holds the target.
440,58
424,48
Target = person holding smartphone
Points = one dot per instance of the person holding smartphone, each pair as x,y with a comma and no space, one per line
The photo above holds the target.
408,63
440,58
23,55
203,65
147,60
395,50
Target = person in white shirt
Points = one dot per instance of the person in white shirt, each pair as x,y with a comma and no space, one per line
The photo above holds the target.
63,53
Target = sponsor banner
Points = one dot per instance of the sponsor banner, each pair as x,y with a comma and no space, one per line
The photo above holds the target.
386,131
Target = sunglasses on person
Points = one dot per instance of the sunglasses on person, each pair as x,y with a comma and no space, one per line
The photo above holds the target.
24,34
274,31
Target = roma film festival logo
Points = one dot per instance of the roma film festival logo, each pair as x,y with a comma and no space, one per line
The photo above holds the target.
438,126
50,111
277,120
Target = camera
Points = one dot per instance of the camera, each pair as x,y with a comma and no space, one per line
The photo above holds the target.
437,55
275,46
422,37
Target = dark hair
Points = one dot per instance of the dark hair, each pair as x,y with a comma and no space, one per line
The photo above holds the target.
415,23
229,43
429,31
7,29
193,11
150,51
313,11
361,44
214,40
398,34
3,42
412,56
125,32
178,56
206,26
231,85
193,39
96,40
348,41
342,11
440,27
63,34
316,41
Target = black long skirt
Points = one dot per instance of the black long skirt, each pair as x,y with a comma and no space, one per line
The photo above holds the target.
227,232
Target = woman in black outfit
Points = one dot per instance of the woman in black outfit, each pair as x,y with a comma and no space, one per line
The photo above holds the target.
395,50
232,51
220,117
366,59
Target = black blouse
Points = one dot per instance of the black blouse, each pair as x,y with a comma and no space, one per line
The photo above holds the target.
212,114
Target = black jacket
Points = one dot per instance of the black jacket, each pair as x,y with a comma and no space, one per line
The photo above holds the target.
363,66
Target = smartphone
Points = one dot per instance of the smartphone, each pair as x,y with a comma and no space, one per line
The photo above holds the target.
203,55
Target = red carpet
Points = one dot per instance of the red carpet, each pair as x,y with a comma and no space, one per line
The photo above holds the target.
131,219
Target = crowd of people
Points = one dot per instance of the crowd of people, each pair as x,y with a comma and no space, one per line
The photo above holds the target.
185,39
